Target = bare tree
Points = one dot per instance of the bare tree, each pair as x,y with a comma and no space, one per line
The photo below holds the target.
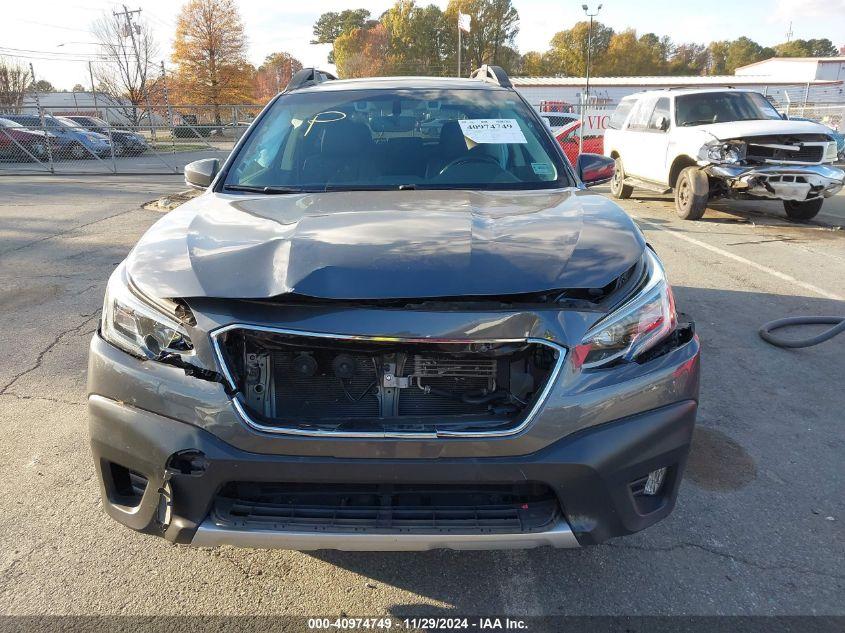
122,75
14,81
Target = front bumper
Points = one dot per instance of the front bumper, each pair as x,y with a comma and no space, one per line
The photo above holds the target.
590,472
780,182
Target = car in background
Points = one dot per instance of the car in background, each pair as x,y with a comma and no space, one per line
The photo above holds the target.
72,141
188,126
838,136
22,145
564,127
710,143
125,142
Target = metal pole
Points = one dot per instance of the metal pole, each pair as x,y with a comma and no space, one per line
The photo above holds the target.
93,89
586,96
169,108
459,45
43,122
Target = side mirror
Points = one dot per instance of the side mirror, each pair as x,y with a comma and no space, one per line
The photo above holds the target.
595,169
663,123
201,173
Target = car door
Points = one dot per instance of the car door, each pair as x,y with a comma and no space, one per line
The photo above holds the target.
656,141
635,150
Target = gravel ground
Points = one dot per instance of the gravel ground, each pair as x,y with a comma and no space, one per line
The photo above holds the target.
758,528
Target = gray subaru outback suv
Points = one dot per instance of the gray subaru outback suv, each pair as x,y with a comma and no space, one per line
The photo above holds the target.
396,319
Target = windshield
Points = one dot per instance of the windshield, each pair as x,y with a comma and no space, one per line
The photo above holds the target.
69,122
380,139
90,121
721,107
8,123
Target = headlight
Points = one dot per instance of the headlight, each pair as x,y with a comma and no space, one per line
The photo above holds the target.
136,326
830,151
729,152
636,326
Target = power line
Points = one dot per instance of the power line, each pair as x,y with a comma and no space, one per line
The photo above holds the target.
58,54
51,26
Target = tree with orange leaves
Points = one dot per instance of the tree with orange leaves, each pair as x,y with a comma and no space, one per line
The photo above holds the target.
362,52
210,53
274,74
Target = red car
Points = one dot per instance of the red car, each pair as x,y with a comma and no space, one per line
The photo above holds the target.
565,126
20,144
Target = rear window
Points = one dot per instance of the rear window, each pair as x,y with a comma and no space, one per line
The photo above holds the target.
385,139
617,119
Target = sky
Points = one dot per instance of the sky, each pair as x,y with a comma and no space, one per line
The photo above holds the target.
56,37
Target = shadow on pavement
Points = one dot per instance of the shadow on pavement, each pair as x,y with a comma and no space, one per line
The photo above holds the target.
767,416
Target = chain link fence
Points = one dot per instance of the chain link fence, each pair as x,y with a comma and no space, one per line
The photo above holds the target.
118,139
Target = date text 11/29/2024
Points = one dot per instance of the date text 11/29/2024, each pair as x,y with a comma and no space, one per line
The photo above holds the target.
423,623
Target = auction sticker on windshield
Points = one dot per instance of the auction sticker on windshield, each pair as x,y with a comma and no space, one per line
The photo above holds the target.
492,130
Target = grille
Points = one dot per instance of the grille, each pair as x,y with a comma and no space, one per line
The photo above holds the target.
361,385
805,154
509,508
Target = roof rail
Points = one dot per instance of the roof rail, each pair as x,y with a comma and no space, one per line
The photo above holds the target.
698,87
492,74
308,77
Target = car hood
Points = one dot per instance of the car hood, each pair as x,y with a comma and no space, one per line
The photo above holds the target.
382,245
741,129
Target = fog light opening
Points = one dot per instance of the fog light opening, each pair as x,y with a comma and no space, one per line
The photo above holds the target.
654,482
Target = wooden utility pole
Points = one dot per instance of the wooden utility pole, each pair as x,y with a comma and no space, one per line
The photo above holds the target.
131,29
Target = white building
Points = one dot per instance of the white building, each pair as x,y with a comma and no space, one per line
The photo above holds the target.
801,69
85,103
609,90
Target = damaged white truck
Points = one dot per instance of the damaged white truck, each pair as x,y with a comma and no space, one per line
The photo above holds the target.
720,143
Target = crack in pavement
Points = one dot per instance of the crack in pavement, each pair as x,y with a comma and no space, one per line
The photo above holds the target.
40,358
18,396
728,555
63,233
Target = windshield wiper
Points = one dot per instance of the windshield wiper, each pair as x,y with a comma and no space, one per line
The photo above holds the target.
698,122
264,190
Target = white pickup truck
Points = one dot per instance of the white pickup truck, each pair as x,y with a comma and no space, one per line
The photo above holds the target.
717,143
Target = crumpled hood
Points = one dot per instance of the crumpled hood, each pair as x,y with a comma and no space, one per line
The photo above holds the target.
741,129
382,245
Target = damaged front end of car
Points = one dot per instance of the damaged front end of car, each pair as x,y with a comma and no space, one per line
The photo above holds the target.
213,423
794,168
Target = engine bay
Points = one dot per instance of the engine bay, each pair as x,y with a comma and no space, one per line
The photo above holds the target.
345,384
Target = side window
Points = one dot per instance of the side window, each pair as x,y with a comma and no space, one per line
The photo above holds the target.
659,120
642,113
617,119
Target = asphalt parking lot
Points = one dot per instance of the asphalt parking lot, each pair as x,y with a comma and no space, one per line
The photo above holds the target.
759,524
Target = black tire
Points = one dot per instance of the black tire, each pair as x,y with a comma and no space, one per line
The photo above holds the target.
802,211
692,191
618,188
